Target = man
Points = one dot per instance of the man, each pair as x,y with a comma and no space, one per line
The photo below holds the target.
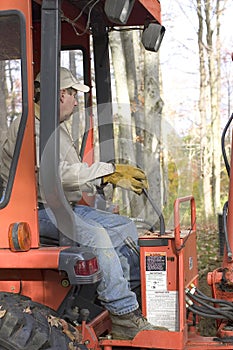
104,232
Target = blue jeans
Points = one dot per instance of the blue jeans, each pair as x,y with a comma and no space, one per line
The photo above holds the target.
105,233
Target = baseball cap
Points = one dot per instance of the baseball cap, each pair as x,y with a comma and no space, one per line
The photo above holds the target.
67,80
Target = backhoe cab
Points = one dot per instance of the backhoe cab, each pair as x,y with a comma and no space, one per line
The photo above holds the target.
47,288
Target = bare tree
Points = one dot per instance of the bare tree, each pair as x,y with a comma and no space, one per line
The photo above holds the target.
153,115
203,108
133,52
138,90
131,49
75,128
209,13
124,139
126,152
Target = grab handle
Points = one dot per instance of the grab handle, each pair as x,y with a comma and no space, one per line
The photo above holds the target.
177,203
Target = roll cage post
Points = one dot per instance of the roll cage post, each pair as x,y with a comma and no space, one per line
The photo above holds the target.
49,131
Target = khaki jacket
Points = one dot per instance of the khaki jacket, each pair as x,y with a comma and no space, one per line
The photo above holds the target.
76,177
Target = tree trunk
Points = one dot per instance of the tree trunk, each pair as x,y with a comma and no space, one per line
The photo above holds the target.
131,51
215,64
206,154
75,121
126,153
153,112
123,116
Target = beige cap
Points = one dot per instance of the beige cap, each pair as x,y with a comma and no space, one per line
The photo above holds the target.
67,80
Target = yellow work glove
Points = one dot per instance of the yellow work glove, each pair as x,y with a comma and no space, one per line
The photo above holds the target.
127,177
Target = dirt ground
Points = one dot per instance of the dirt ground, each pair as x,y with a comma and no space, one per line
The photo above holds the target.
207,326
209,258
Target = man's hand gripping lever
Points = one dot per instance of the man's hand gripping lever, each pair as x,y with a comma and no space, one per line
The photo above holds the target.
128,177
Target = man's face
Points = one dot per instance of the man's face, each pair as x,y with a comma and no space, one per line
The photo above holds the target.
67,103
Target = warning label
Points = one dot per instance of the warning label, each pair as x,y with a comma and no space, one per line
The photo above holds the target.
156,272
162,309
155,262
161,304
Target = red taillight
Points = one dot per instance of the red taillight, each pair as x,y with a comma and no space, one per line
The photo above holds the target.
86,267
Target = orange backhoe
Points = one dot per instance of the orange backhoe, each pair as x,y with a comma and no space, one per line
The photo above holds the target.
47,288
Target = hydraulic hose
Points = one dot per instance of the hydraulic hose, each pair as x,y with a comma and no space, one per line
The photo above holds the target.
228,248
223,145
221,313
158,212
156,209
194,310
212,300
225,207
212,308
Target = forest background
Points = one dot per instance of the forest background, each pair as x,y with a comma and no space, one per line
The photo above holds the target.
170,108
180,102
196,66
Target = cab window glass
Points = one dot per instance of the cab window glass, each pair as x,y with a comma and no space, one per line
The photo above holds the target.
10,84
73,60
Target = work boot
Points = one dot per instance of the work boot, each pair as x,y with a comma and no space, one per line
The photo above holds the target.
128,325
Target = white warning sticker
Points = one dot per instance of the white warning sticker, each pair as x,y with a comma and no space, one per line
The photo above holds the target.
161,304
162,309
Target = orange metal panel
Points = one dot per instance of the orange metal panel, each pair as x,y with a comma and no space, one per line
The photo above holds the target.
43,289
33,273
39,285
150,339
190,260
167,341
153,6
43,258
197,342
168,272
162,269
23,202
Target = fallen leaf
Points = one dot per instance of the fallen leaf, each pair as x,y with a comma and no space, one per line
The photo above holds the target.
54,321
27,310
2,313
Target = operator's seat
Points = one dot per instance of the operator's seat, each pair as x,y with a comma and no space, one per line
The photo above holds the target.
48,241
51,234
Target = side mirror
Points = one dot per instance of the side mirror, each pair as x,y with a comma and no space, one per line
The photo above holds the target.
152,36
118,11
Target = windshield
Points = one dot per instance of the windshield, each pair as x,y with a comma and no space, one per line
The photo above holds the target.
12,71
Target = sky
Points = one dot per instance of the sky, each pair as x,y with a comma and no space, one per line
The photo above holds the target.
180,61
